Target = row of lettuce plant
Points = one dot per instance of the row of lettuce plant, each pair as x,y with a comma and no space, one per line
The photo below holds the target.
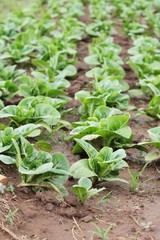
103,127
102,123
152,17
139,20
135,16
47,46
38,53
144,56
144,60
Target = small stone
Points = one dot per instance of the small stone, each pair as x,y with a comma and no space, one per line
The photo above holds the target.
2,188
141,206
29,212
71,200
87,219
133,230
69,212
64,205
25,190
3,180
49,207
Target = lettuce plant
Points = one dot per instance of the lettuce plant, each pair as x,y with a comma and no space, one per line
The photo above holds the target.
103,50
130,11
133,29
99,166
104,57
72,27
145,57
152,19
37,168
40,85
8,78
31,110
16,23
72,8
52,73
9,72
104,96
154,107
154,134
105,125
98,28
150,85
21,49
7,149
99,11
83,190
41,169
111,71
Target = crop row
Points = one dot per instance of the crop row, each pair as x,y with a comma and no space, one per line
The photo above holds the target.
46,47
102,122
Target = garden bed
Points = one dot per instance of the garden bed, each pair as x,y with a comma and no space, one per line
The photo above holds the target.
129,211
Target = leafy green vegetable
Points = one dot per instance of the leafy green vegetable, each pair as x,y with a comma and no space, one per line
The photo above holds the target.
111,71
145,57
31,110
8,77
98,10
103,50
7,135
84,189
21,48
44,146
41,86
104,124
41,168
102,165
99,27
154,134
154,107
104,96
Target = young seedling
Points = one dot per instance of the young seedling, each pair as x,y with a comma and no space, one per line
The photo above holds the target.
105,198
134,182
10,216
84,189
135,176
102,233
10,189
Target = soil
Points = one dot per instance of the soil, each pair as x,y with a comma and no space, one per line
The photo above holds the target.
133,215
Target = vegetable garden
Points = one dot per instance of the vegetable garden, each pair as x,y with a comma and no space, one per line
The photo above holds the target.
79,120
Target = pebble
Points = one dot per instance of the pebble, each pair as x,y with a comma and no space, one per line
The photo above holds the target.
3,180
87,219
71,200
69,212
2,188
3,183
49,207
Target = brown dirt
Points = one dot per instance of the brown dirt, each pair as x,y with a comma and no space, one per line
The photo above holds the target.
42,216
134,216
